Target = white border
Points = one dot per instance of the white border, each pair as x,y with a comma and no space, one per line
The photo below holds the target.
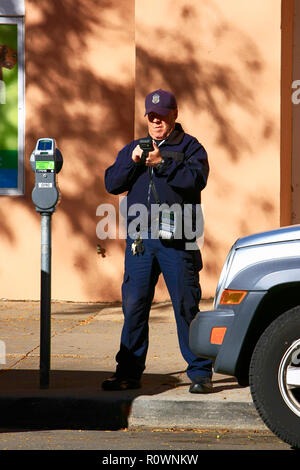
21,107
12,8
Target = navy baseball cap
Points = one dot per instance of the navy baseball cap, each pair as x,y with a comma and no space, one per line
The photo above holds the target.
160,102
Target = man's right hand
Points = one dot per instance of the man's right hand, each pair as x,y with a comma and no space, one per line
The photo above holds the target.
136,154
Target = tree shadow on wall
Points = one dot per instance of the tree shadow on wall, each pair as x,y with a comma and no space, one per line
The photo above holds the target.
216,91
90,116
193,84
93,115
203,84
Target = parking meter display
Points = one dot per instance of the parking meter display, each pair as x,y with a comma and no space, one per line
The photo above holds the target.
45,144
44,165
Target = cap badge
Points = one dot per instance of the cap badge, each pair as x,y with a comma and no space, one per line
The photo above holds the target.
155,98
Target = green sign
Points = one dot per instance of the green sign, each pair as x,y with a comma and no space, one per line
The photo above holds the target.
44,165
8,106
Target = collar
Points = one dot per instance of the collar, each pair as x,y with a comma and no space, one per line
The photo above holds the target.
175,137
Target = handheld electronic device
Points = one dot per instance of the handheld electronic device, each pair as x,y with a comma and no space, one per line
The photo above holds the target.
146,145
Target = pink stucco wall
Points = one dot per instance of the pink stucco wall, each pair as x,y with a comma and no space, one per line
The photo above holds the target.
221,59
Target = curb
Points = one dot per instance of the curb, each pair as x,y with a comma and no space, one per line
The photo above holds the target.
174,413
119,410
64,410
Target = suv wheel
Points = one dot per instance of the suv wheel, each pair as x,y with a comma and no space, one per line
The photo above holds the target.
275,377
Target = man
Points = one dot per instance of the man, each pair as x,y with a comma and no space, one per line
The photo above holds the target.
175,172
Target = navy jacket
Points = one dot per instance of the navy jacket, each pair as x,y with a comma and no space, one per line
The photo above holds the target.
180,180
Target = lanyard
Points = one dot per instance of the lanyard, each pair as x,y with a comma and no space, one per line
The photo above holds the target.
152,184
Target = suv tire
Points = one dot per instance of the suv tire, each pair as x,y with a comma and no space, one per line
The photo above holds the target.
274,375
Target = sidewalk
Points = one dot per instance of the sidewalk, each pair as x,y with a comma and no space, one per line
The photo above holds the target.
84,340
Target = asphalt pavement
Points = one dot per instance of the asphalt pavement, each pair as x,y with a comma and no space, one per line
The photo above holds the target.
84,341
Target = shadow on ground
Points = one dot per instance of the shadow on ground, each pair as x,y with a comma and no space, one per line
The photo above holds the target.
229,383
73,400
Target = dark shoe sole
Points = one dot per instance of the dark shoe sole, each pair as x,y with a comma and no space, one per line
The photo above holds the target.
120,384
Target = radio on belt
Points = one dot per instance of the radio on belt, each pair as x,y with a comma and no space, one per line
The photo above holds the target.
46,161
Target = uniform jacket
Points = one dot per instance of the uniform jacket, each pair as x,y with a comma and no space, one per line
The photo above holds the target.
180,179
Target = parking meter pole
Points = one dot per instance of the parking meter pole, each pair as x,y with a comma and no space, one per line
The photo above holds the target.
45,305
46,162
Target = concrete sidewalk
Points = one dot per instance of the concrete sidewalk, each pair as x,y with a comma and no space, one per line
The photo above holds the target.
84,340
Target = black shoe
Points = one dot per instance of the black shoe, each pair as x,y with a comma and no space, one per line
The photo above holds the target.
201,385
120,383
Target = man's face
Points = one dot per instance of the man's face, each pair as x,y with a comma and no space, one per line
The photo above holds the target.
160,127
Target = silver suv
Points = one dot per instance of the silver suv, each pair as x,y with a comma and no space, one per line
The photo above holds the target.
253,332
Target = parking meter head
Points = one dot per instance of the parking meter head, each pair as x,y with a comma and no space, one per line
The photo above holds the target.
46,161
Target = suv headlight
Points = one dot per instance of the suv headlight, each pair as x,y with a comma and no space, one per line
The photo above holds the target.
223,275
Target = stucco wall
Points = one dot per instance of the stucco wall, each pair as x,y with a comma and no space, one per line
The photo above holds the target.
295,196
222,60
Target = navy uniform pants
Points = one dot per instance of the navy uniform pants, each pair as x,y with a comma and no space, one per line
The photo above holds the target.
180,269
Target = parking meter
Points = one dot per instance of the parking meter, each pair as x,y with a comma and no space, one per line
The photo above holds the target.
46,161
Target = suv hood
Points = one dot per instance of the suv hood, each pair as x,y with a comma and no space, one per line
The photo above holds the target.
283,234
